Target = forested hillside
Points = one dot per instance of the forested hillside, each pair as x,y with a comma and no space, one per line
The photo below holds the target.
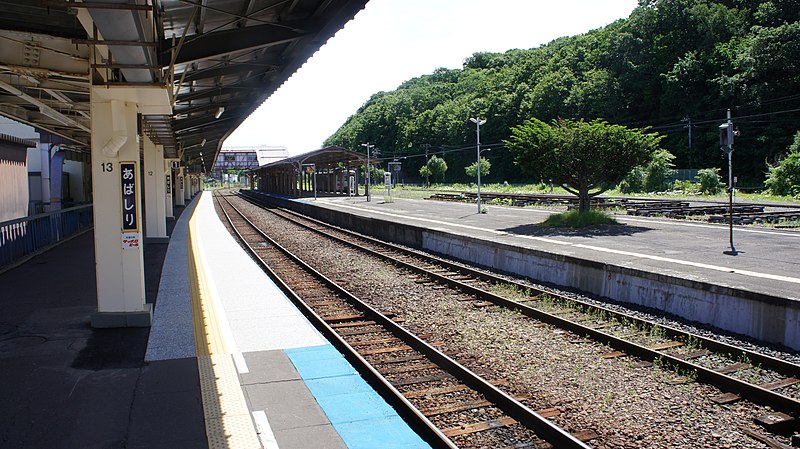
670,61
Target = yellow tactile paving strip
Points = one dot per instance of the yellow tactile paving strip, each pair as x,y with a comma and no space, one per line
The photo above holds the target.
228,421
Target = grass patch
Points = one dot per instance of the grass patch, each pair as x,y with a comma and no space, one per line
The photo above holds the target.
576,219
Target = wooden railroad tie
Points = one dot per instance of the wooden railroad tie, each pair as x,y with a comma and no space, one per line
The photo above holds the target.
479,427
386,350
408,369
420,380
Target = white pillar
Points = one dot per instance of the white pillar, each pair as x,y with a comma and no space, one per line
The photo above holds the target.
180,186
168,199
155,213
118,251
187,188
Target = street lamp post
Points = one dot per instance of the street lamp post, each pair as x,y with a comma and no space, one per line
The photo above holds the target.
478,122
367,172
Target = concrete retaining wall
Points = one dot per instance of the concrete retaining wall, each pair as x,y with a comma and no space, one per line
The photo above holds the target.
760,316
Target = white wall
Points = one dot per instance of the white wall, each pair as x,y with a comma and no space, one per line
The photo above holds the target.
13,190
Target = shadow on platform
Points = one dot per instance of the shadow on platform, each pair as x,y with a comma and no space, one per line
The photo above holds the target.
67,385
592,231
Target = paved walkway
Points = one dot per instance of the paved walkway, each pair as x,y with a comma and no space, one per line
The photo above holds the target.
66,385
300,392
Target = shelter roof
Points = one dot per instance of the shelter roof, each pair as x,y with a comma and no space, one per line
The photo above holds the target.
218,60
328,157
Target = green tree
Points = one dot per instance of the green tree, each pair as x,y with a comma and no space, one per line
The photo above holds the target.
659,171
654,176
425,172
710,183
586,158
437,167
472,169
670,60
784,177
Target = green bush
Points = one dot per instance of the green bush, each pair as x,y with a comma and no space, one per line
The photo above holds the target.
784,178
686,187
659,171
710,183
633,182
655,176
577,219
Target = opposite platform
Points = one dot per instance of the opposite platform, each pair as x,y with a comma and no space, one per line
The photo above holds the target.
768,261
674,266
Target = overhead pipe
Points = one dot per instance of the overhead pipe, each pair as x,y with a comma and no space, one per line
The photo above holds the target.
120,136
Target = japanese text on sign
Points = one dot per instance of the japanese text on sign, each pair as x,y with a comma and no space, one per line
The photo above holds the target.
130,214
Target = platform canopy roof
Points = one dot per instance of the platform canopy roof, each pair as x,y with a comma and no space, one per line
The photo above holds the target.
219,59
328,157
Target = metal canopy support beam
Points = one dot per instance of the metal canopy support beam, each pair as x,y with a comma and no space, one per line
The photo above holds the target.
230,69
208,120
216,91
207,123
45,109
225,42
228,105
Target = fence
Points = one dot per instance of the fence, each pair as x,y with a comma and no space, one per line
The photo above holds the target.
26,236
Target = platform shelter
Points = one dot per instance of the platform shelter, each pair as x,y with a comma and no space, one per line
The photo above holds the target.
148,91
328,171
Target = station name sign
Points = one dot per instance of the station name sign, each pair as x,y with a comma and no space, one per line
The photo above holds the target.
130,213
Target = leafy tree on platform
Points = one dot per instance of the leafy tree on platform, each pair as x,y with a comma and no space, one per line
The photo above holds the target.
586,158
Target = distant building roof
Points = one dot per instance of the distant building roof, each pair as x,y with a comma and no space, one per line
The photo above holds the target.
18,141
266,154
323,158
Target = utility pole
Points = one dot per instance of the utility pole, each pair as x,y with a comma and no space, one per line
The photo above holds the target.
367,171
688,126
427,147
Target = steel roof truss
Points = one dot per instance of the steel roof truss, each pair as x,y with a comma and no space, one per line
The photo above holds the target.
225,42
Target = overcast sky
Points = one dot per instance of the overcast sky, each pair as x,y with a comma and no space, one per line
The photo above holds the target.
391,41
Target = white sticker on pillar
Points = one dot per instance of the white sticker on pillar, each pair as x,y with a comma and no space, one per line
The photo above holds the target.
131,241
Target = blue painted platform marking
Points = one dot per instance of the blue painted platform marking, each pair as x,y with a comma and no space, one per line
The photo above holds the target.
360,416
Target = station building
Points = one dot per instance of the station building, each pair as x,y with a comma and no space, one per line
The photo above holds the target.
234,160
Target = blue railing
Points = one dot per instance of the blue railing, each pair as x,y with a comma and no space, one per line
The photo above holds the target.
25,236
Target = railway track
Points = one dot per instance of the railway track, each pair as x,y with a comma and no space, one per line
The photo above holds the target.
445,402
739,372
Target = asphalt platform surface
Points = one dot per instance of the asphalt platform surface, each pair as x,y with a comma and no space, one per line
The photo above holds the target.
64,384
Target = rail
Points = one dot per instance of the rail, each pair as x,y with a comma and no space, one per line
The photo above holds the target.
758,393
24,237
